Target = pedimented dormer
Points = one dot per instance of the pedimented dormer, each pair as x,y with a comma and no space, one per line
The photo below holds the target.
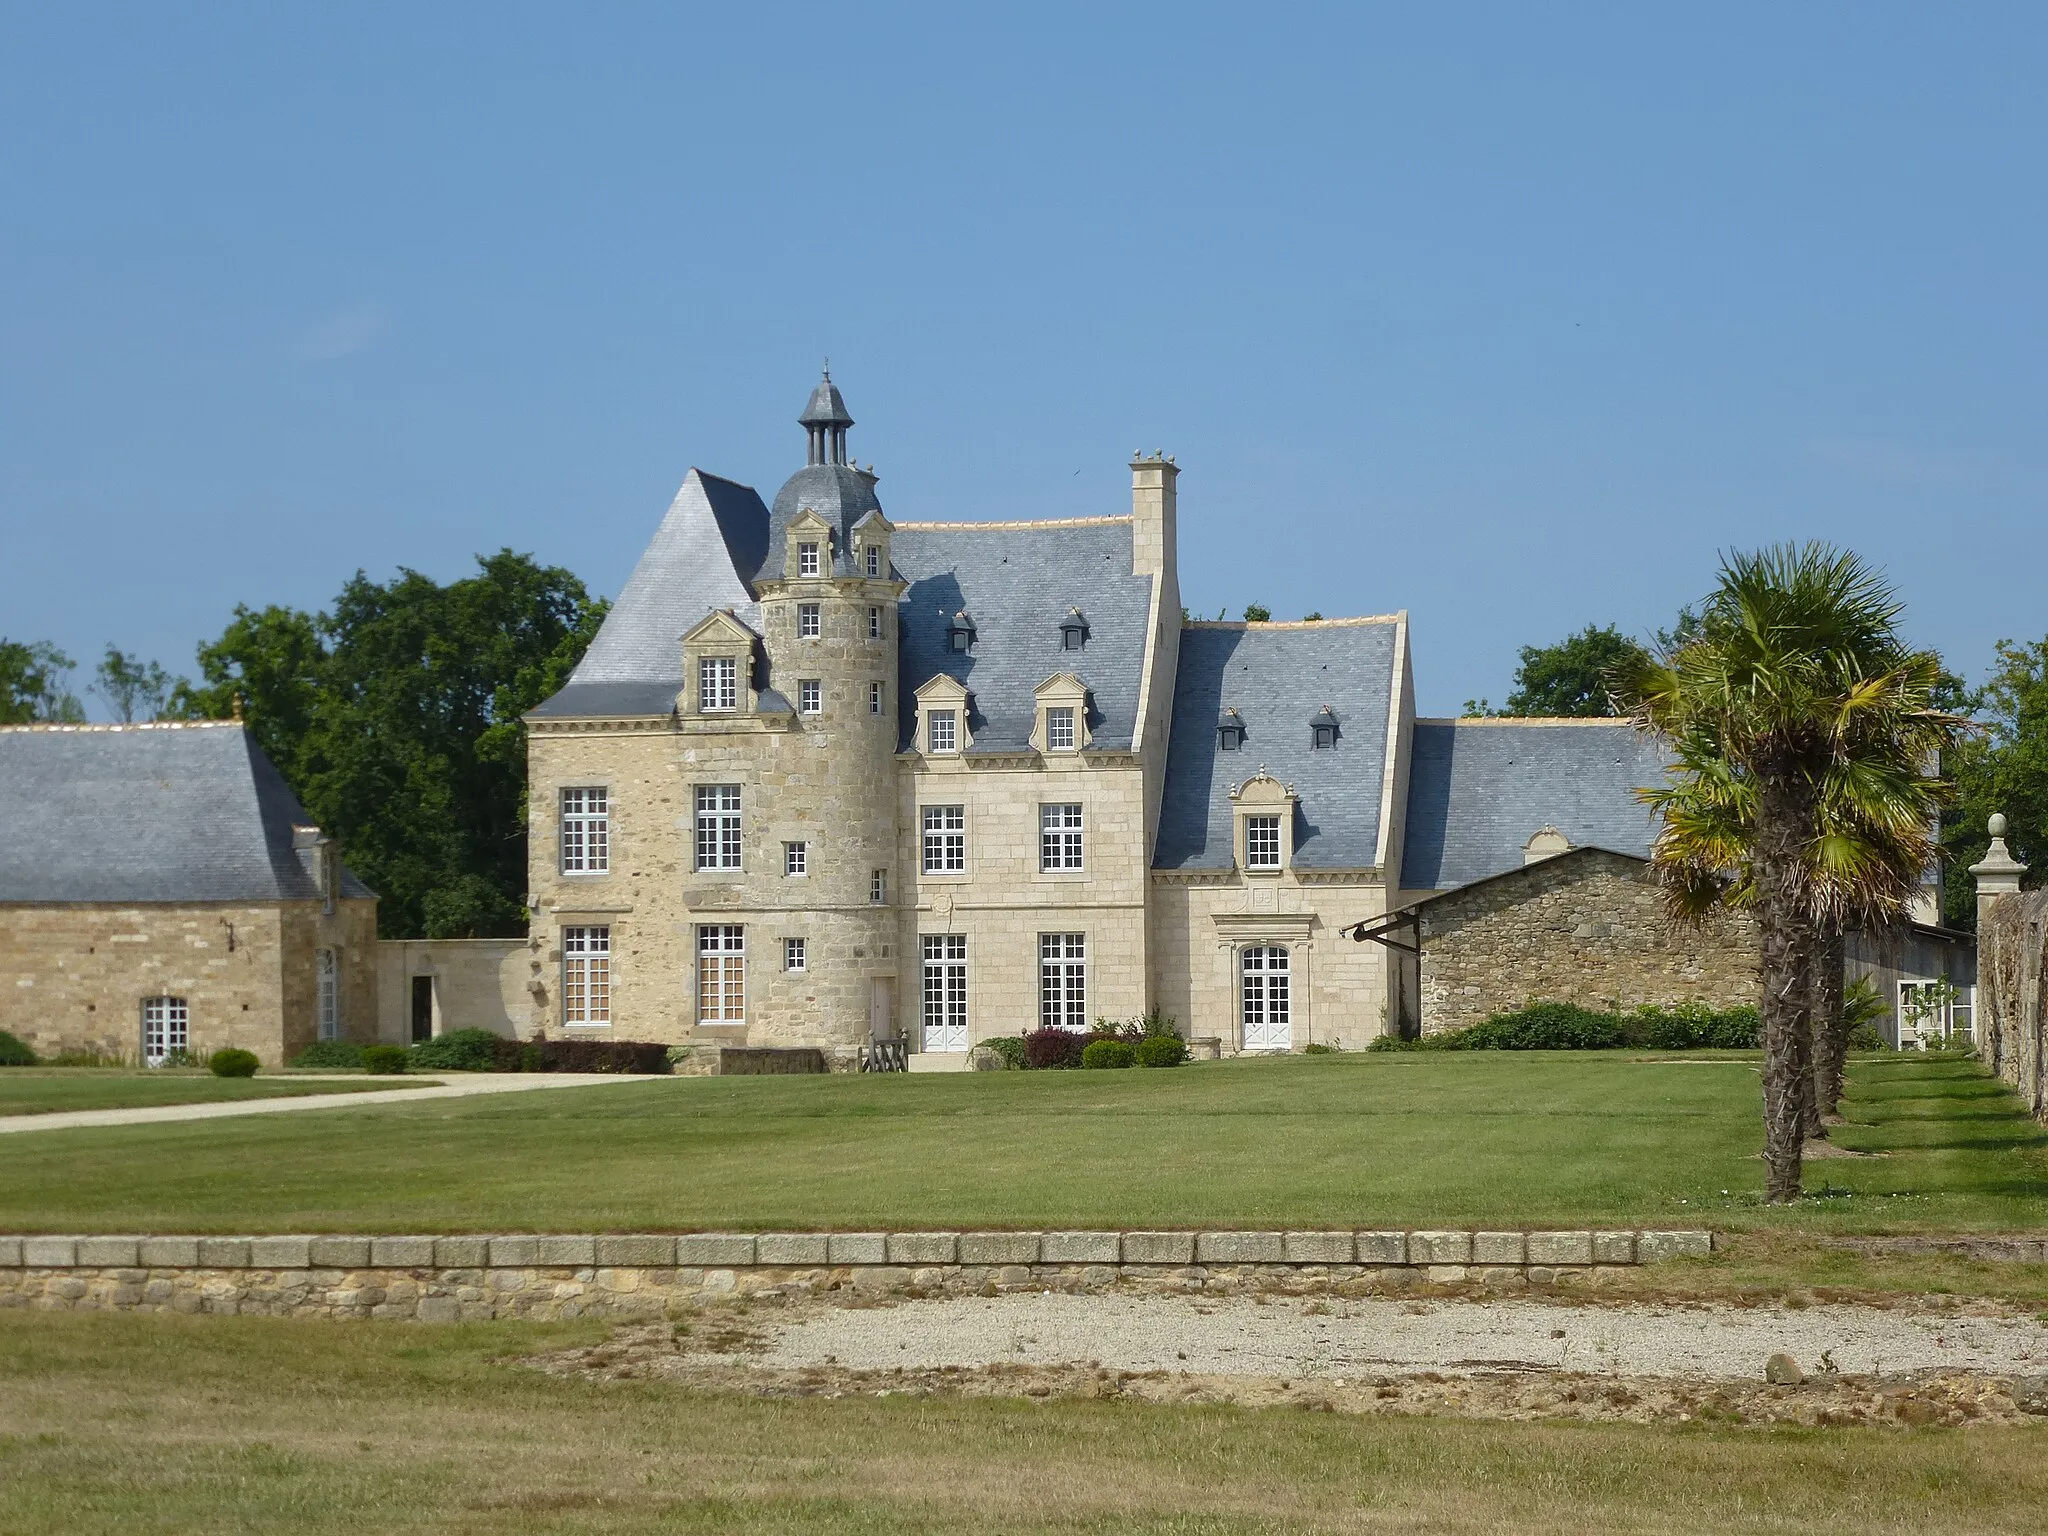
807,551
1262,824
870,552
942,706
718,668
1060,715
1545,843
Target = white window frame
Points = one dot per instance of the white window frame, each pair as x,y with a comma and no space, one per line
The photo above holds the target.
874,622
327,993
718,685
1262,842
874,698
796,858
878,887
945,839
166,1029
946,1024
942,731
807,559
874,562
1265,996
1059,838
810,621
587,977
794,956
1063,982
586,829
721,973
718,827
1059,728
810,696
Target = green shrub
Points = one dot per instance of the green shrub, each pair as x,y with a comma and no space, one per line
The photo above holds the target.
385,1060
1109,1053
1158,1025
460,1050
1048,1050
233,1061
1317,1048
179,1058
1011,1048
1867,1037
330,1053
15,1053
1568,1027
1159,1051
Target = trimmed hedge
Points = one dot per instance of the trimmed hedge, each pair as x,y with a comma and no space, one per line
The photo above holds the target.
460,1050
330,1053
15,1052
1011,1048
1161,1051
478,1050
1568,1027
385,1060
233,1062
1053,1049
1109,1053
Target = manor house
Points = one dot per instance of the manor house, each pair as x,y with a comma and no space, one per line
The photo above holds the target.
825,777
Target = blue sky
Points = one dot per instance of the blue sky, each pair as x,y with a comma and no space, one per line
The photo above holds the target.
1511,316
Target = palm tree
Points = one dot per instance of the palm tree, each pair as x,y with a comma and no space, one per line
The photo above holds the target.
1801,726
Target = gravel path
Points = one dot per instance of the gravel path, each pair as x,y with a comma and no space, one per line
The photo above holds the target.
1296,1337
459,1086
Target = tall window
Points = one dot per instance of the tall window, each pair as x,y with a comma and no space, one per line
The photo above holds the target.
874,698
796,858
941,731
1063,981
718,826
327,985
1262,842
874,565
878,888
945,992
586,975
1265,1017
810,696
793,954
807,559
721,974
1059,729
874,623
808,624
166,1029
1059,837
945,839
586,831
718,684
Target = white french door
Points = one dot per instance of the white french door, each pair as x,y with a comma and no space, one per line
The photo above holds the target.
166,1029
945,992
1265,1013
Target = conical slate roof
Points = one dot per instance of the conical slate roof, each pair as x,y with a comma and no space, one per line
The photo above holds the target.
826,408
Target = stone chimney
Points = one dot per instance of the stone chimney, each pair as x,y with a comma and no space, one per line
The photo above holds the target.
1154,510
1998,872
316,851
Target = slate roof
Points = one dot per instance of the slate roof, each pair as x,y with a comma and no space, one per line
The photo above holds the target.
839,493
1017,581
1479,789
1277,676
148,813
826,407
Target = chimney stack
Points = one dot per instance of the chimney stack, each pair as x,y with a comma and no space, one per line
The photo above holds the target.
1153,509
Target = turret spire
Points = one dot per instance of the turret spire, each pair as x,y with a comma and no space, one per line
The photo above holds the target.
825,422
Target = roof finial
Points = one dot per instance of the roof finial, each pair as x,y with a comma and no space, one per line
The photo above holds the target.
828,370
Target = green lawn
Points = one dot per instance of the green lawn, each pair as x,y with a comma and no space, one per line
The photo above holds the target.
119,1424
1480,1138
46,1090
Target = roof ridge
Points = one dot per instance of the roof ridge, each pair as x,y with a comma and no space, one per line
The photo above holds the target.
1523,720
1368,618
1012,527
118,725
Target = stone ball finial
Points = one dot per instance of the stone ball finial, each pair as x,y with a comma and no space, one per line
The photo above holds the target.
1997,824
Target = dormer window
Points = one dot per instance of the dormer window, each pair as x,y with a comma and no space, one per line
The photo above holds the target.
807,559
874,560
1059,729
960,633
1230,731
718,685
942,731
1323,729
1073,631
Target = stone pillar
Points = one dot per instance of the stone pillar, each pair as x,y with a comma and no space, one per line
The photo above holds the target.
1998,872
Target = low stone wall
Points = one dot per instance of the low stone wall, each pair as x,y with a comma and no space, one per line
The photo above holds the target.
451,1279
757,1060
2012,1000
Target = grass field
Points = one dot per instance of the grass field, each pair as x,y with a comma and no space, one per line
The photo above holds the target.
1483,1138
47,1090
112,1423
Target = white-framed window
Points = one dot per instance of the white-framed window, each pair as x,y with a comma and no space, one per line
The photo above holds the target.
874,623
166,1029
942,731
878,888
793,954
1063,981
1262,842
718,684
807,559
1059,728
808,623
1059,837
586,975
874,698
945,839
945,992
721,973
327,992
718,826
810,696
796,858
1265,1015
586,831
874,565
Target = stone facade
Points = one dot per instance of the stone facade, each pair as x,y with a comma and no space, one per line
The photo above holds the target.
1587,927
463,984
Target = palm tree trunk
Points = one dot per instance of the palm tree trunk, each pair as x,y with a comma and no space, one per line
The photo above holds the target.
1830,1030
1784,826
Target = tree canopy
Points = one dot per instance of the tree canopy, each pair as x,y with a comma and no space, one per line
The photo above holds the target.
34,678
1570,677
2005,768
396,719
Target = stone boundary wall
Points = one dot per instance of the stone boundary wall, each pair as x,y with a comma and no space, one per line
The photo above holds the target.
451,1279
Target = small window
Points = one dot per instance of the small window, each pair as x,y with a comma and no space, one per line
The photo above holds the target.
945,839
793,954
878,888
1230,731
586,975
721,973
1059,837
874,559
1323,730
807,559
808,625
166,1030
718,826
1326,737
874,623
960,633
796,858
1063,981
810,696
586,831
1073,631
941,731
327,977
1059,729
874,698
1262,842
718,684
